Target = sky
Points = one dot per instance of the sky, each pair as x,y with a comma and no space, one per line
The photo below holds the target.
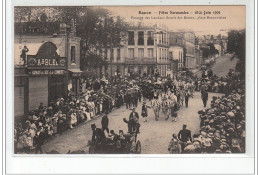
233,17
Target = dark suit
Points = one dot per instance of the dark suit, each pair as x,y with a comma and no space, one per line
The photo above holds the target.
184,135
204,97
104,123
133,124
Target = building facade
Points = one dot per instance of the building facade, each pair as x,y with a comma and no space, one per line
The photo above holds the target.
144,53
50,71
190,61
176,49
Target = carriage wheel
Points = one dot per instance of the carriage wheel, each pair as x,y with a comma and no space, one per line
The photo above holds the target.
138,147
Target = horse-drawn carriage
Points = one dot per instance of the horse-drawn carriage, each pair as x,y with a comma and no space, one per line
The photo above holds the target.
117,144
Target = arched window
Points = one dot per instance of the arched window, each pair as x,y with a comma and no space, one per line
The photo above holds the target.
47,50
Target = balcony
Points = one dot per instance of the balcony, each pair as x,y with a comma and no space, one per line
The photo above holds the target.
140,60
163,45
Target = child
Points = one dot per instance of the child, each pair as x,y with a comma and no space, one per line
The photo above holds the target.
145,111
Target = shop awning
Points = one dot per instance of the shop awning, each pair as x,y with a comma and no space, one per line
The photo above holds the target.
75,72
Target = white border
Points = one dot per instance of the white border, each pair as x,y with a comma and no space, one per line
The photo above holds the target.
150,164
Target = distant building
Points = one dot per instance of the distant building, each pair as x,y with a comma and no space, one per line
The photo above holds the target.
176,50
219,42
199,56
144,53
189,38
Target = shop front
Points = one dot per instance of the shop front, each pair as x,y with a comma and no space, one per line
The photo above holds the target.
47,76
74,81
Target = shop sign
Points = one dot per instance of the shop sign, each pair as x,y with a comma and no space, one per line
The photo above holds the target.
46,72
46,62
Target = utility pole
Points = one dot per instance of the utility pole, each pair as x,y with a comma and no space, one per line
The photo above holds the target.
67,56
111,61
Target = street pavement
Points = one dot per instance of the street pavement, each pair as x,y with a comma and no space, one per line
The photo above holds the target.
222,65
154,135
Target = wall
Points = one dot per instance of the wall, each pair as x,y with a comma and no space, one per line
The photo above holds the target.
18,101
59,41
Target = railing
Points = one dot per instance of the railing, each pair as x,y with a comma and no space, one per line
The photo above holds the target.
163,45
140,60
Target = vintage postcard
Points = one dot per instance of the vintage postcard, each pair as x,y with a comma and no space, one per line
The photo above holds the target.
129,80
137,87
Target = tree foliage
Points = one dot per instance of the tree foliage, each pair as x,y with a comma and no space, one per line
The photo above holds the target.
209,50
96,26
236,44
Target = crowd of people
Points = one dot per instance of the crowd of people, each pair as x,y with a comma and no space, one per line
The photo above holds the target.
214,83
222,126
99,96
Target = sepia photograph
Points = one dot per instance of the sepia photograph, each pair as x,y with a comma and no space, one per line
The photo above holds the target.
129,80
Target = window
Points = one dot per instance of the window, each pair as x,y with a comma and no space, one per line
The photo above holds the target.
150,39
140,53
131,40
131,53
105,56
162,38
140,38
170,53
118,54
150,53
72,56
112,54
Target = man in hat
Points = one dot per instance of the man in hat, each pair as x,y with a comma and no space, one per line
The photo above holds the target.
187,96
204,96
133,124
104,123
23,54
184,135
98,135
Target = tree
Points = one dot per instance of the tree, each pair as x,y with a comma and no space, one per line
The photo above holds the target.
236,45
43,18
209,50
22,14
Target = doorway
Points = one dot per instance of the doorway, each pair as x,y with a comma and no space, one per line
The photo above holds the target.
56,88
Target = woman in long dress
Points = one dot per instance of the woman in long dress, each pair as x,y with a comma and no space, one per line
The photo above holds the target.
156,108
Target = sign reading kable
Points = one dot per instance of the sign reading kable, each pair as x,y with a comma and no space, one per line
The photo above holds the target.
37,62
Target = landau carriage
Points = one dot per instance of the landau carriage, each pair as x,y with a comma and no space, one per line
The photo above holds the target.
117,145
